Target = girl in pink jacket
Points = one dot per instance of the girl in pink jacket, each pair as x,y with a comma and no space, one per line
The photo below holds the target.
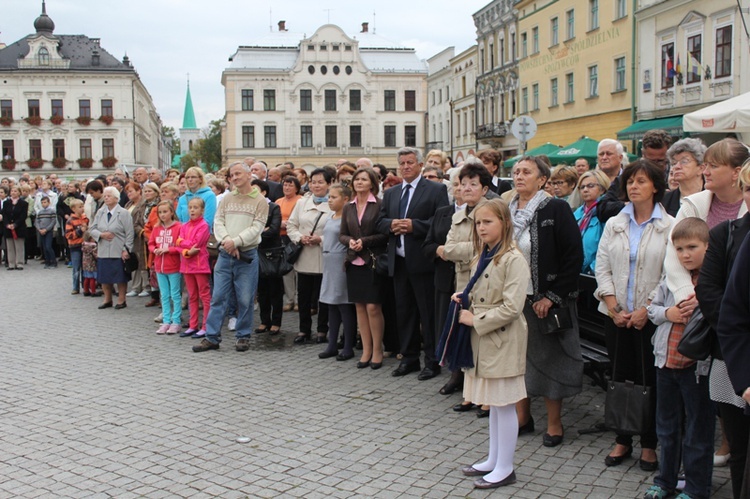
163,244
194,267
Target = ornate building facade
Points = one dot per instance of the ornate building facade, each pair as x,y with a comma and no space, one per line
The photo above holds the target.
690,55
68,105
497,75
312,100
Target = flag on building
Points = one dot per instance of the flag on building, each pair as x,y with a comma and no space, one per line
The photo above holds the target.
678,68
694,66
670,66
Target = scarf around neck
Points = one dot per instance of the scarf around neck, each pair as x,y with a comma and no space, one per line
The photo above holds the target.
522,216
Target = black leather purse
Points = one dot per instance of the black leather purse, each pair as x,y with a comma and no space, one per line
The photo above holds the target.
558,319
697,340
629,409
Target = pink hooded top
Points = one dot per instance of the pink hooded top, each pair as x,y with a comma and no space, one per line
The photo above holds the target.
194,233
166,237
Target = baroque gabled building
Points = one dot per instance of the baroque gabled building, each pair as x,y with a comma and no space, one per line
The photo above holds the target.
497,75
66,104
314,99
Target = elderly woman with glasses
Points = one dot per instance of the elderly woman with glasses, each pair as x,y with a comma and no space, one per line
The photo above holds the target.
686,160
591,187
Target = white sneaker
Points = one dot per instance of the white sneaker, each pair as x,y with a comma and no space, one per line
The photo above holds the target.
131,294
721,461
144,294
232,325
159,318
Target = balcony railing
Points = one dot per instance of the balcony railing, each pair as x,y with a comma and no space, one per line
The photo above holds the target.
492,130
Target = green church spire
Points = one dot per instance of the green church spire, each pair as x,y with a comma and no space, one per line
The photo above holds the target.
188,119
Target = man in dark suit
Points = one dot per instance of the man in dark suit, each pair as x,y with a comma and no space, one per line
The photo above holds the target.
260,171
405,216
491,159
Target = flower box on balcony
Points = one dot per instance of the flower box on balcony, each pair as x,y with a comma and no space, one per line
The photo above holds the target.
8,164
6,120
59,162
57,120
34,120
84,120
85,162
109,161
107,119
35,163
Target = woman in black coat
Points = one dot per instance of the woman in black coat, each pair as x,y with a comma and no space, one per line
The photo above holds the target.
722,287
270,289
14,213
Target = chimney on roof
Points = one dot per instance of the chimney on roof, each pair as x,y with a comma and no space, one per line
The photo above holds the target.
95,58
365,27
282,25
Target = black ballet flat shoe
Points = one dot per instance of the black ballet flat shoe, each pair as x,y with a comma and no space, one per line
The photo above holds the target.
301,338
105,305
483,413
648,465
527,428
551,440
617,460
344,356
463,407
327,354
120,306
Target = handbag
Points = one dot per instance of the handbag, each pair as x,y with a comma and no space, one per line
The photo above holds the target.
273,262
292,250
379,263
558,319
212,246
629,409
697,339
131,264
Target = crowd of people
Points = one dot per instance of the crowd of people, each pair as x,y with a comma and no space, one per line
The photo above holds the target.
446,266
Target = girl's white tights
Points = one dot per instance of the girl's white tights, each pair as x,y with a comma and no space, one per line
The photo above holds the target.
503,438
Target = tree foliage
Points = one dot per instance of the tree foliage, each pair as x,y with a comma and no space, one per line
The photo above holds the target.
169,132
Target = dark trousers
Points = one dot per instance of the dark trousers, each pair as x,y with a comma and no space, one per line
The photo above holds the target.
271,300
737,431
342,315
48,251
415,308
683,402
308,291
391,342
631,353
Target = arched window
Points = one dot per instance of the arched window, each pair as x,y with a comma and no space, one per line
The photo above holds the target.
43,56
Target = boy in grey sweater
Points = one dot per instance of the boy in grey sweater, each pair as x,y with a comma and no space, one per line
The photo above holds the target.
45,224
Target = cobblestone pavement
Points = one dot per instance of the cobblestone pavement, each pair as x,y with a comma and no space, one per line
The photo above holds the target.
94,404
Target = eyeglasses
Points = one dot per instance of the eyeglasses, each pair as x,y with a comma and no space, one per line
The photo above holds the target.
588,186
683,162
430,177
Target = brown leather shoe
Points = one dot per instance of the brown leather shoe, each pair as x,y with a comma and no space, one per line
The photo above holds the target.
152,303
484,484
471,471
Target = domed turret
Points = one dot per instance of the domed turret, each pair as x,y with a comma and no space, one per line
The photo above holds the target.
43,23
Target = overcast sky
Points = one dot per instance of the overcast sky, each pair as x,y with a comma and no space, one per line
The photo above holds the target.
166,39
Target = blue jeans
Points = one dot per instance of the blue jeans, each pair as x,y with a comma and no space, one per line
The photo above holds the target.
76,257
47,251
683,402
171,297
233,274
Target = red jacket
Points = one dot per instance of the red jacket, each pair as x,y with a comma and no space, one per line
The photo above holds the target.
194,233
166,237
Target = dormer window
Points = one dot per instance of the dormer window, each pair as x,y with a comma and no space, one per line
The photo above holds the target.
43,55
